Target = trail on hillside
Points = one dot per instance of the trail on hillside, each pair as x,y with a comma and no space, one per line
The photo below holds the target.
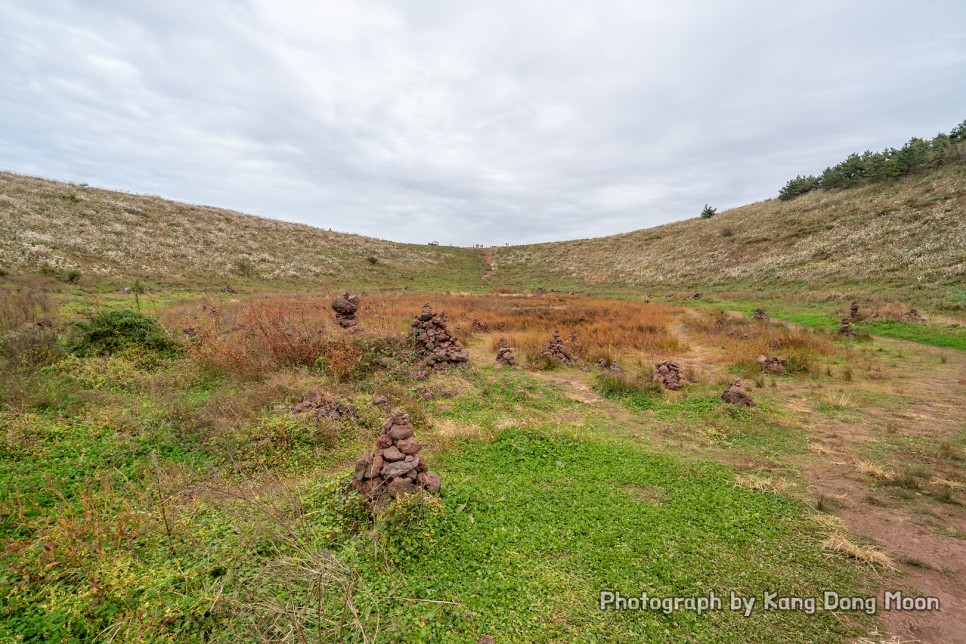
489,263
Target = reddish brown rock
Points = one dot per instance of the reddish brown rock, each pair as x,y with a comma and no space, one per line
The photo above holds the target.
772,364
409,446
323,407
668,373
845,328
439,348
736,395
558,351
345,308
394,468
760,315
504,355
429,480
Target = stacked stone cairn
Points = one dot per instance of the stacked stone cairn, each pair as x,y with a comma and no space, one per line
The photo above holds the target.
558,351
760,315
394,467
913,316
440,349
735,394
345,308
845,328
504,355
668,373
772,364
854,310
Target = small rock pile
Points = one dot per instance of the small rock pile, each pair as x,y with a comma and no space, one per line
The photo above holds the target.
322,407
736,395
773,364
913,316
846,327
394,467
610,367
345,308
854,310
504,355
478,326
439,347
760,315
557,350
668,373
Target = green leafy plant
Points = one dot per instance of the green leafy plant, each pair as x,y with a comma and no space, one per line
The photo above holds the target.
108,332
708,212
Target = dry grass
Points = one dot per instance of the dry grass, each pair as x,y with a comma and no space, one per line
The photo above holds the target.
264,334
910,233
104,233
837,542
740,341
763,483
22,306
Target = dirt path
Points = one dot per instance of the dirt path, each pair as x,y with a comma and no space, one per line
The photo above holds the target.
489,263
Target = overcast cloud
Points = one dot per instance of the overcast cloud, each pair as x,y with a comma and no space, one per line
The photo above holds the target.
483,122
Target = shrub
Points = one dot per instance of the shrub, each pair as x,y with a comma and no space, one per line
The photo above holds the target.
107,332
708,212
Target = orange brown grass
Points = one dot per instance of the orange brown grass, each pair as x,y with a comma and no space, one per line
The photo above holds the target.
740,341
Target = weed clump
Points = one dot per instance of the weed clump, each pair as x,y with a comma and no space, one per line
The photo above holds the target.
109,332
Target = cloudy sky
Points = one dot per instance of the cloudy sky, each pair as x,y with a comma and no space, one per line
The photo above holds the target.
469,122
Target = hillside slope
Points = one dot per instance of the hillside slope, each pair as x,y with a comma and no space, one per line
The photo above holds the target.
105,234
904,239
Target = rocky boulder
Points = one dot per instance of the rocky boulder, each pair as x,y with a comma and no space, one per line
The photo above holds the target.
735,394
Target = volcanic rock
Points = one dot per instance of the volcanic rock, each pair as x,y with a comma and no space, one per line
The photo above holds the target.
558,351
772,364
322,407
736,395
345,308
668,373
760,315
504,355
440,349
845,328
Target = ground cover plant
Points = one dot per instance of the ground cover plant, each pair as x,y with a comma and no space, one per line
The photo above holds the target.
170,491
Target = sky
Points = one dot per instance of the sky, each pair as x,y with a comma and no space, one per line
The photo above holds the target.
469,122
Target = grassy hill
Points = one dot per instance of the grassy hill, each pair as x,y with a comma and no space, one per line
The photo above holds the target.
900,240
905,239
100,234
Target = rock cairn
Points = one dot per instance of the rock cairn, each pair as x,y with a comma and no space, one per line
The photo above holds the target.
845,328
557,350
345,308
504,355
322,407
394,467
854,310
772,364
913,316
760,315
736,395
668,373
440,349
478,326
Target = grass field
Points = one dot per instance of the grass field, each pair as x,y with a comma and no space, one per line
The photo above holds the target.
166,491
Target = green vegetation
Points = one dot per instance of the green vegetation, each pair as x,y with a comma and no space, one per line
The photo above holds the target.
108,332
916,156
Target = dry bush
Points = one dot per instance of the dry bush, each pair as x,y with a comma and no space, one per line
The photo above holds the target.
266,335
24,306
